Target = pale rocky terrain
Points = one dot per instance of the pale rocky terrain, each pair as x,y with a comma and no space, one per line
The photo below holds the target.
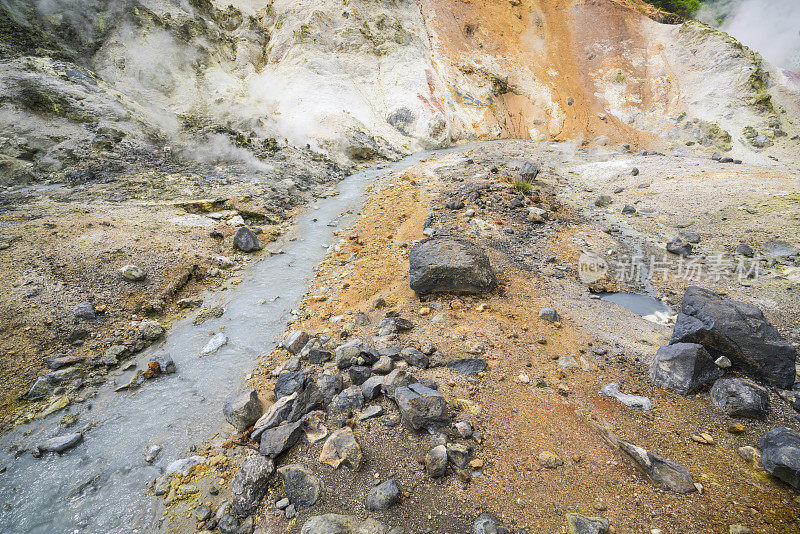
151,133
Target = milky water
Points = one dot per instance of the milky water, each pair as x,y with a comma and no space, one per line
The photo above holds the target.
641,304
99,486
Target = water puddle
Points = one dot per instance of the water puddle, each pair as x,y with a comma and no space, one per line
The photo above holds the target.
648,307
99,485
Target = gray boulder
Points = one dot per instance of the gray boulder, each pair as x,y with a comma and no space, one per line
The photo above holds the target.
436,461
739,397
489,524
780,455
246,240
60,443
372,387
302,487
529,170
166,365
383,496
243,409
683,367
421,406
342,524
582,524
450,264
280,438
348,400
250,483
739,331
288,383
414,357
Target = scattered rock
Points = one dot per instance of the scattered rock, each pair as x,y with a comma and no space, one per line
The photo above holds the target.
536,215
627,209
467,366
745,250
302,487
295,341
132,273
450,264
421,406
288,383
243,409
780,455
372,387
436,461
780,249
529,170
246,240
415,357
150,330
342,448
739,331
84,310
370,412
250,483
666,473
739,397
60,444
677,246
550,315
280,438
383,366
383,496
348,400
396,379
342,524
488,524
722,362
683,367
464,429
634,401
550,460
458,454
151,453
603,200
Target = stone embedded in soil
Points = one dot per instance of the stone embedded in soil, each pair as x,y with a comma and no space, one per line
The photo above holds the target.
250,483
421,406
664,472
582,524
467,366
683,367
302,487
243,409
436,461
677,246
550,460
458,454
634,401
246,240
288,383
739,331
150,330
396,379
415,357
341,448
133,273
383,496
488,524
450,264
394,325
743,249
370,412
84,310
57,361
278,439
342,524
780,455
549,314
739,397
60,443
151,453
165,363
780,249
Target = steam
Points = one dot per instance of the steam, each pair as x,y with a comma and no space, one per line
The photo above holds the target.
770,28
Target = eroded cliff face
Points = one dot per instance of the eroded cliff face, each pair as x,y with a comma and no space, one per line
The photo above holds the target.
107,87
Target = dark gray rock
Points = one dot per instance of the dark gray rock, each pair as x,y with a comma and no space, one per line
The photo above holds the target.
467,366
529,170
677,246
228,524
488,524
60,443
328,385
348,400
394,325
288,383
582,524
302,487
372,387
690,236
246,240
383,366
250,483
275,415
383,496
295,341
603,200
744,249
429,383
666,473
780,455
370,412
242,410
683,367
739,397
458,454
450,264
166,365
627,209
84,310
58,361
739,331
276,440
414,357
421,407
396,379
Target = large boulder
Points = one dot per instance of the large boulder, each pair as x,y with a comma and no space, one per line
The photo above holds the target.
250,483
421,406
739,397
280,438
450,264
302,487
780,454
246,240
242,410
739,331
683,367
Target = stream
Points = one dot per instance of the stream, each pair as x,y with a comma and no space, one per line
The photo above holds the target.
99,486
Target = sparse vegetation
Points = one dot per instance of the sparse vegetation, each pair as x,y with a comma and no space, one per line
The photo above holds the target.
522,186
684,8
